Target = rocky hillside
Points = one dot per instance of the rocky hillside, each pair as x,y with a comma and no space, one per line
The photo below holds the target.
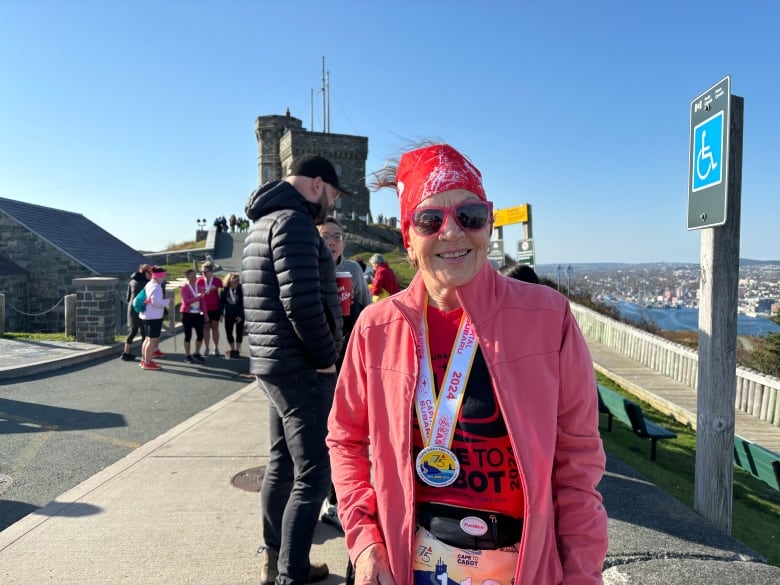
363,238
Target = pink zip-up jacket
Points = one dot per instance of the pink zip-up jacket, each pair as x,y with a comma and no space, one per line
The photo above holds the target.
542,373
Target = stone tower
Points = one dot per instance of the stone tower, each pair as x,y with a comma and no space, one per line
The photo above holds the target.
282,138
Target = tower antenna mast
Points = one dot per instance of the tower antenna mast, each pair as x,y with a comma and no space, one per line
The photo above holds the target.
324,99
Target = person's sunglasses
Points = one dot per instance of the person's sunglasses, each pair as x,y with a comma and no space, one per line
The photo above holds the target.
471,216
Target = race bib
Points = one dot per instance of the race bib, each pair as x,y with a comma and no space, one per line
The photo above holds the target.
437,563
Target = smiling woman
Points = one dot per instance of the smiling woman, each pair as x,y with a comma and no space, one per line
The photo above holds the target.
477,363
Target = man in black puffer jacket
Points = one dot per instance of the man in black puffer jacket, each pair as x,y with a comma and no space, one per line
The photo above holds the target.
293,323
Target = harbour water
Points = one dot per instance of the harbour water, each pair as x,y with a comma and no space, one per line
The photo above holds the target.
686,318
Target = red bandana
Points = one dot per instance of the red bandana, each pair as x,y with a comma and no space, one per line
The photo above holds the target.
424,172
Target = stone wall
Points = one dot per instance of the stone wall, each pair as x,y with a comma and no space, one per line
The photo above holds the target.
95,309
348,155
282,138
51,273
15,290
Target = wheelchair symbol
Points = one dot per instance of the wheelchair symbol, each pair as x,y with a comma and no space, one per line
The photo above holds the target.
708,153
704,155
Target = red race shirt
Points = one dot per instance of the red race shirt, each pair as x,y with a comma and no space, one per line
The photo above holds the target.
488,478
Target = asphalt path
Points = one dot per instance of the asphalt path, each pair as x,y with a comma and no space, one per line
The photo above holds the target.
59,428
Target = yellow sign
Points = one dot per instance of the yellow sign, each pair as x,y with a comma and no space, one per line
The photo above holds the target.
510,215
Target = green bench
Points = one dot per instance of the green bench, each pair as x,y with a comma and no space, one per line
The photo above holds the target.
615,405
759,462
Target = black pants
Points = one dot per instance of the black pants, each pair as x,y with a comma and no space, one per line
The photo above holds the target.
298,472
230,322
136,325
190,321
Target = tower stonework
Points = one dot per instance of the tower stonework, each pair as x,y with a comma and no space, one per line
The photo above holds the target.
282,138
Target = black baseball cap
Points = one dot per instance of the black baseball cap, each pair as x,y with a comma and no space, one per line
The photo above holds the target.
313,166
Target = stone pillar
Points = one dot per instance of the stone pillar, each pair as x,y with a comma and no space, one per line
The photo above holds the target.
95,309
70,315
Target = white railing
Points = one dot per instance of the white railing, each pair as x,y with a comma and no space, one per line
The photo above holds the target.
756,393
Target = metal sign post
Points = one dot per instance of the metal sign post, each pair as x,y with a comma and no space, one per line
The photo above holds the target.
496,253
510,215
525,253
708,168
715,194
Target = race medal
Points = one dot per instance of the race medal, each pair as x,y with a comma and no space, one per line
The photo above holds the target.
437,466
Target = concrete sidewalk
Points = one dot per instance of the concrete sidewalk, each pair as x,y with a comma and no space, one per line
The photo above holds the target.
23,358
166,514
169,513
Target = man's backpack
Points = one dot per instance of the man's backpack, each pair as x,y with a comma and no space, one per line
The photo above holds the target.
139,302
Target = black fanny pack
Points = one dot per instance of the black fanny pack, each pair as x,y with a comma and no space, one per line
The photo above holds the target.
456,526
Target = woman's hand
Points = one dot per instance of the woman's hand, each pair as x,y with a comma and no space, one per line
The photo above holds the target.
373,566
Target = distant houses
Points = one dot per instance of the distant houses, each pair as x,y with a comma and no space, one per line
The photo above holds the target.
42,250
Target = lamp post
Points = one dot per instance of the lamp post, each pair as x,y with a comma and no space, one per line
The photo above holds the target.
201,233
569,273
558,274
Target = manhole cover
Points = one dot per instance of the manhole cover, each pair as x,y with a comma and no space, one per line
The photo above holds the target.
250,480
5,482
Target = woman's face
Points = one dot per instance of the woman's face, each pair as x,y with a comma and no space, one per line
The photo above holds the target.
234,282
334,239
191,277
453,256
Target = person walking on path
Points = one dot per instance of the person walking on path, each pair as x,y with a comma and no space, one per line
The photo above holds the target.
385,282
210,285
465,419
231,308
136,284
191,314
153,318
293,323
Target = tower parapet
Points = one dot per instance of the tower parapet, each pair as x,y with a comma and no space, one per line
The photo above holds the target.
282,138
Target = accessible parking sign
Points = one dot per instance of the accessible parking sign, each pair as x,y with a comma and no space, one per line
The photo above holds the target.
709,156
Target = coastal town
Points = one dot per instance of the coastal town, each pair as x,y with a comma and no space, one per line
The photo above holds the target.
668,285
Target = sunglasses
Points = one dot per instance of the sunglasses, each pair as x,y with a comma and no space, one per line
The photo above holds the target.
471,216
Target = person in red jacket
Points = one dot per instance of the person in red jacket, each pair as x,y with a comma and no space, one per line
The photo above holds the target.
210,284
385,283
464,435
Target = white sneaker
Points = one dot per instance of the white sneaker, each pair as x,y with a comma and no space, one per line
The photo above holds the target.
328,515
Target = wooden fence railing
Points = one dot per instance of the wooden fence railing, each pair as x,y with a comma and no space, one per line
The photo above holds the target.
756,393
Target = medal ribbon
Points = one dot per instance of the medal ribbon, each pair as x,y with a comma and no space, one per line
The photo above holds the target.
196,302
437,416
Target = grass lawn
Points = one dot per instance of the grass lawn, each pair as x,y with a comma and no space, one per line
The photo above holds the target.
755,507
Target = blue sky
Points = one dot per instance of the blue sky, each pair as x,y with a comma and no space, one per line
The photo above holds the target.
140,115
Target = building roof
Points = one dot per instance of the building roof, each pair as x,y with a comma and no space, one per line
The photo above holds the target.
76,236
